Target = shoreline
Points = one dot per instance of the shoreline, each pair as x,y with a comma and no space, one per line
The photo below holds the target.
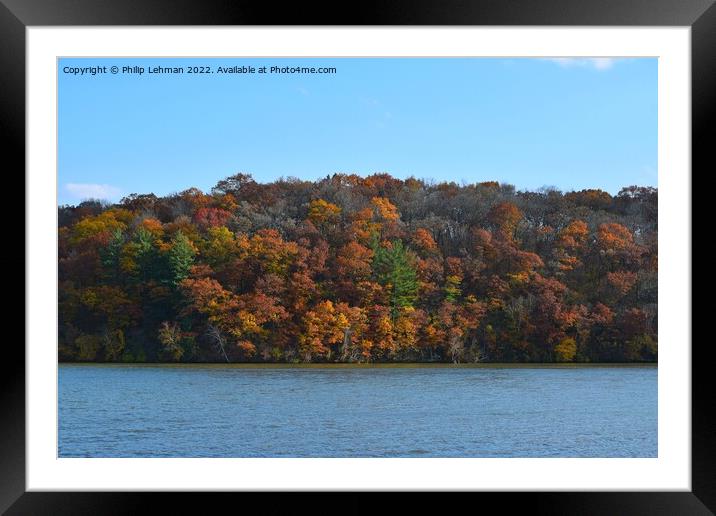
379,365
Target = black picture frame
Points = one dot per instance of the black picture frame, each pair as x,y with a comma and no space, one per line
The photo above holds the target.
16,15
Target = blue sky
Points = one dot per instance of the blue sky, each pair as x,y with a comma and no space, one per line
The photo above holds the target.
567,123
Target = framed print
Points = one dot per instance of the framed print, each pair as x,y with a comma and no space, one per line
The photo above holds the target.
417,250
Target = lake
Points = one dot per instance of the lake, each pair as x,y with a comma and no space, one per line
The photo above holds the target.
357,411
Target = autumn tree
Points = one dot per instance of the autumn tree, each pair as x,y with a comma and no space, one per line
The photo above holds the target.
323,328
505,216
321,212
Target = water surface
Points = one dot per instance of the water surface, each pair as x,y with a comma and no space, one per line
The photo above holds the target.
325,411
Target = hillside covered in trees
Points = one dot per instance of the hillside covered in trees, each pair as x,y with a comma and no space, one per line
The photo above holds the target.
351,269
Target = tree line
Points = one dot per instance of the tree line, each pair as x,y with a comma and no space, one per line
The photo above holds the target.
353,269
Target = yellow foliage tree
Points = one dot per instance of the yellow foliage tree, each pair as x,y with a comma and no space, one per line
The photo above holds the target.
565,350
321,212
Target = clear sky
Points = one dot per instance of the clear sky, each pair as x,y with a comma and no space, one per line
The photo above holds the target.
567,123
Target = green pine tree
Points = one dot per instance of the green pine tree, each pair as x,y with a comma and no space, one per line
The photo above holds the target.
146,254
393,268
110,257
181,258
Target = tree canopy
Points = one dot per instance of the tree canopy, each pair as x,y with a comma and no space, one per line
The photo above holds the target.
360,269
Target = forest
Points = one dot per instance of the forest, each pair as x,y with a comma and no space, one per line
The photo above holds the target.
360,269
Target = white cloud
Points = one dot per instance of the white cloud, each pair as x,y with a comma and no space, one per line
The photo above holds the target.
598,63
82,191
603,63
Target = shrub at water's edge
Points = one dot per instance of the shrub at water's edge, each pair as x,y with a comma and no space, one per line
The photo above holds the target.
351,269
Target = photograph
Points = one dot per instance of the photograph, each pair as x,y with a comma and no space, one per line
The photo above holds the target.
357,257
418,247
